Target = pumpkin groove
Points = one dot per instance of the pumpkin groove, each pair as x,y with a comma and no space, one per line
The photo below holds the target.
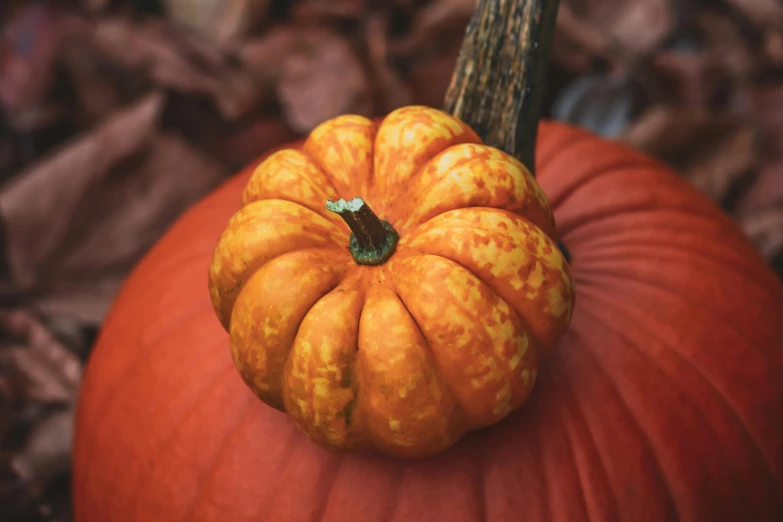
575,437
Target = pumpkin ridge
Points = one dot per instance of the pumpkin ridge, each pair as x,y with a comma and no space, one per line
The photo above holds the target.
313,250
547,484
323,348
319,514
538,342
426,121
718,254
699,260
314,275
427,343
762,354
288,445
222,447
597,216
262,221
190,410
465,259
210,476
147,344
300,452
744,434
203,479
600,172
290,175
334,184
660,476
507,174
534,345
546,153
324,148
751,443
534,204
663,289
571,413
480,489
364,364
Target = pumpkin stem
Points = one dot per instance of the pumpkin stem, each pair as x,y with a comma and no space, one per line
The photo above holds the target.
498,82
373,240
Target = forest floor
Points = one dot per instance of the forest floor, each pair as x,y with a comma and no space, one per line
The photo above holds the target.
119,115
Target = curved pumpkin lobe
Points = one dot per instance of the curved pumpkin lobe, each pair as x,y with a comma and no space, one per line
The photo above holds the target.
479,343
369,342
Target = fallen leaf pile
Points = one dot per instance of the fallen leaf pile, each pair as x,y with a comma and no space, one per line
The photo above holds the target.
117,115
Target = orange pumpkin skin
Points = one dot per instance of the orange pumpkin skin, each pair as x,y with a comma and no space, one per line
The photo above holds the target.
661,402
444,336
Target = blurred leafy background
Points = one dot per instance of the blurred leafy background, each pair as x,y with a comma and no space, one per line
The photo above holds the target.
117,115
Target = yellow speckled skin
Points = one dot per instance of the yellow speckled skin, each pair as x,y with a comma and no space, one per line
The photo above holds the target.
444,337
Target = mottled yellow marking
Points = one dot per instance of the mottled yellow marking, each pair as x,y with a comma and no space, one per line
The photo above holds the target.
269,310
534,280
319,387
522,342
503,401
291,174
474,335
257,233
343,147
411,136
529,377
511,255
404,400
294,336
468,175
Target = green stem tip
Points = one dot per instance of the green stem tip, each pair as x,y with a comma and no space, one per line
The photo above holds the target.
372,240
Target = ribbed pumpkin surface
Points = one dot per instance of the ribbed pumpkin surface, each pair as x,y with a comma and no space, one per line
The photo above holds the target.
663,401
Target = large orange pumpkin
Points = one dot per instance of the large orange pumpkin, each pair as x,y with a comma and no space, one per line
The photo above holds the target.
436,318
662,401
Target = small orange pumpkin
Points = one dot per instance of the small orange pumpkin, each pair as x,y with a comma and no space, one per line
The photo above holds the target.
432,323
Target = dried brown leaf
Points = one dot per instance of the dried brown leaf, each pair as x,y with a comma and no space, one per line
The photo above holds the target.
764,227
47,450
428,51
577,43
715,153
120,219
28,49
248,143
319,11
79,221
766,191
763,104
95,92
391,91
265,54
439,25
222,21
638,26
43,369
322,77
694,79
762,12
38,205
725,45
177,61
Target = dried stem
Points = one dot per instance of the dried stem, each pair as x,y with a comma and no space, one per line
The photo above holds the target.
373,240
498,82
